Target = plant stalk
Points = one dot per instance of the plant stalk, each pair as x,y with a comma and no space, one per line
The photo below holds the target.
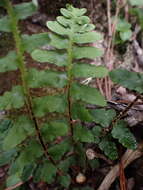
69,71
23,71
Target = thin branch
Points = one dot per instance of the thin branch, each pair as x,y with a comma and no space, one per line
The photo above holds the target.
128,157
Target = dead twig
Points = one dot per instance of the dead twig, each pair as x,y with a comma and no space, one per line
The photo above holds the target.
128,157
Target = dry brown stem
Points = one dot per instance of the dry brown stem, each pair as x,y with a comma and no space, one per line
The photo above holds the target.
128,157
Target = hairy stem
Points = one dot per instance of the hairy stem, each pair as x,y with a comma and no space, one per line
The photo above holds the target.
69,68
23,71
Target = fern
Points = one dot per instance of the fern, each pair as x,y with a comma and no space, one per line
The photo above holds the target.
51,103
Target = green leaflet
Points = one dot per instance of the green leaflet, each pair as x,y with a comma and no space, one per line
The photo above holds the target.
58,150
80,157
123,134
58,41
64,21
138,12
31,42
109,148
8,63
22,11
82,134
97,132
56,57
5,24
37,78
20,130
87,94
80,112
5,125
6,157
27,172
12,99
64,180
128,79
103,117
30,153
64,165
123,25
75,11
54,129
43,105
88,37
86,52
13,180
86,70
48,172
126,35
54,26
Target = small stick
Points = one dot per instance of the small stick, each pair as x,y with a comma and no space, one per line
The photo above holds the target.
128,157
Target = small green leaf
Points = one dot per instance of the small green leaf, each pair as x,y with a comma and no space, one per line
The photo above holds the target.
86,70
123,25
67,13
48,172
87,94
13,99
87,52
80,112
59,128
13,180
58,58
70,9
88,37
128,79
54,26
97,132
109,148
138,12
65,180
31,42
43,105
64,21
126,35
27,172
123,134
58,41
80,155
6,157
24,10
29,154
5,24
82,134
8,63
58,150
103,117
54,129
20,130
45,78
65,164
136,2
